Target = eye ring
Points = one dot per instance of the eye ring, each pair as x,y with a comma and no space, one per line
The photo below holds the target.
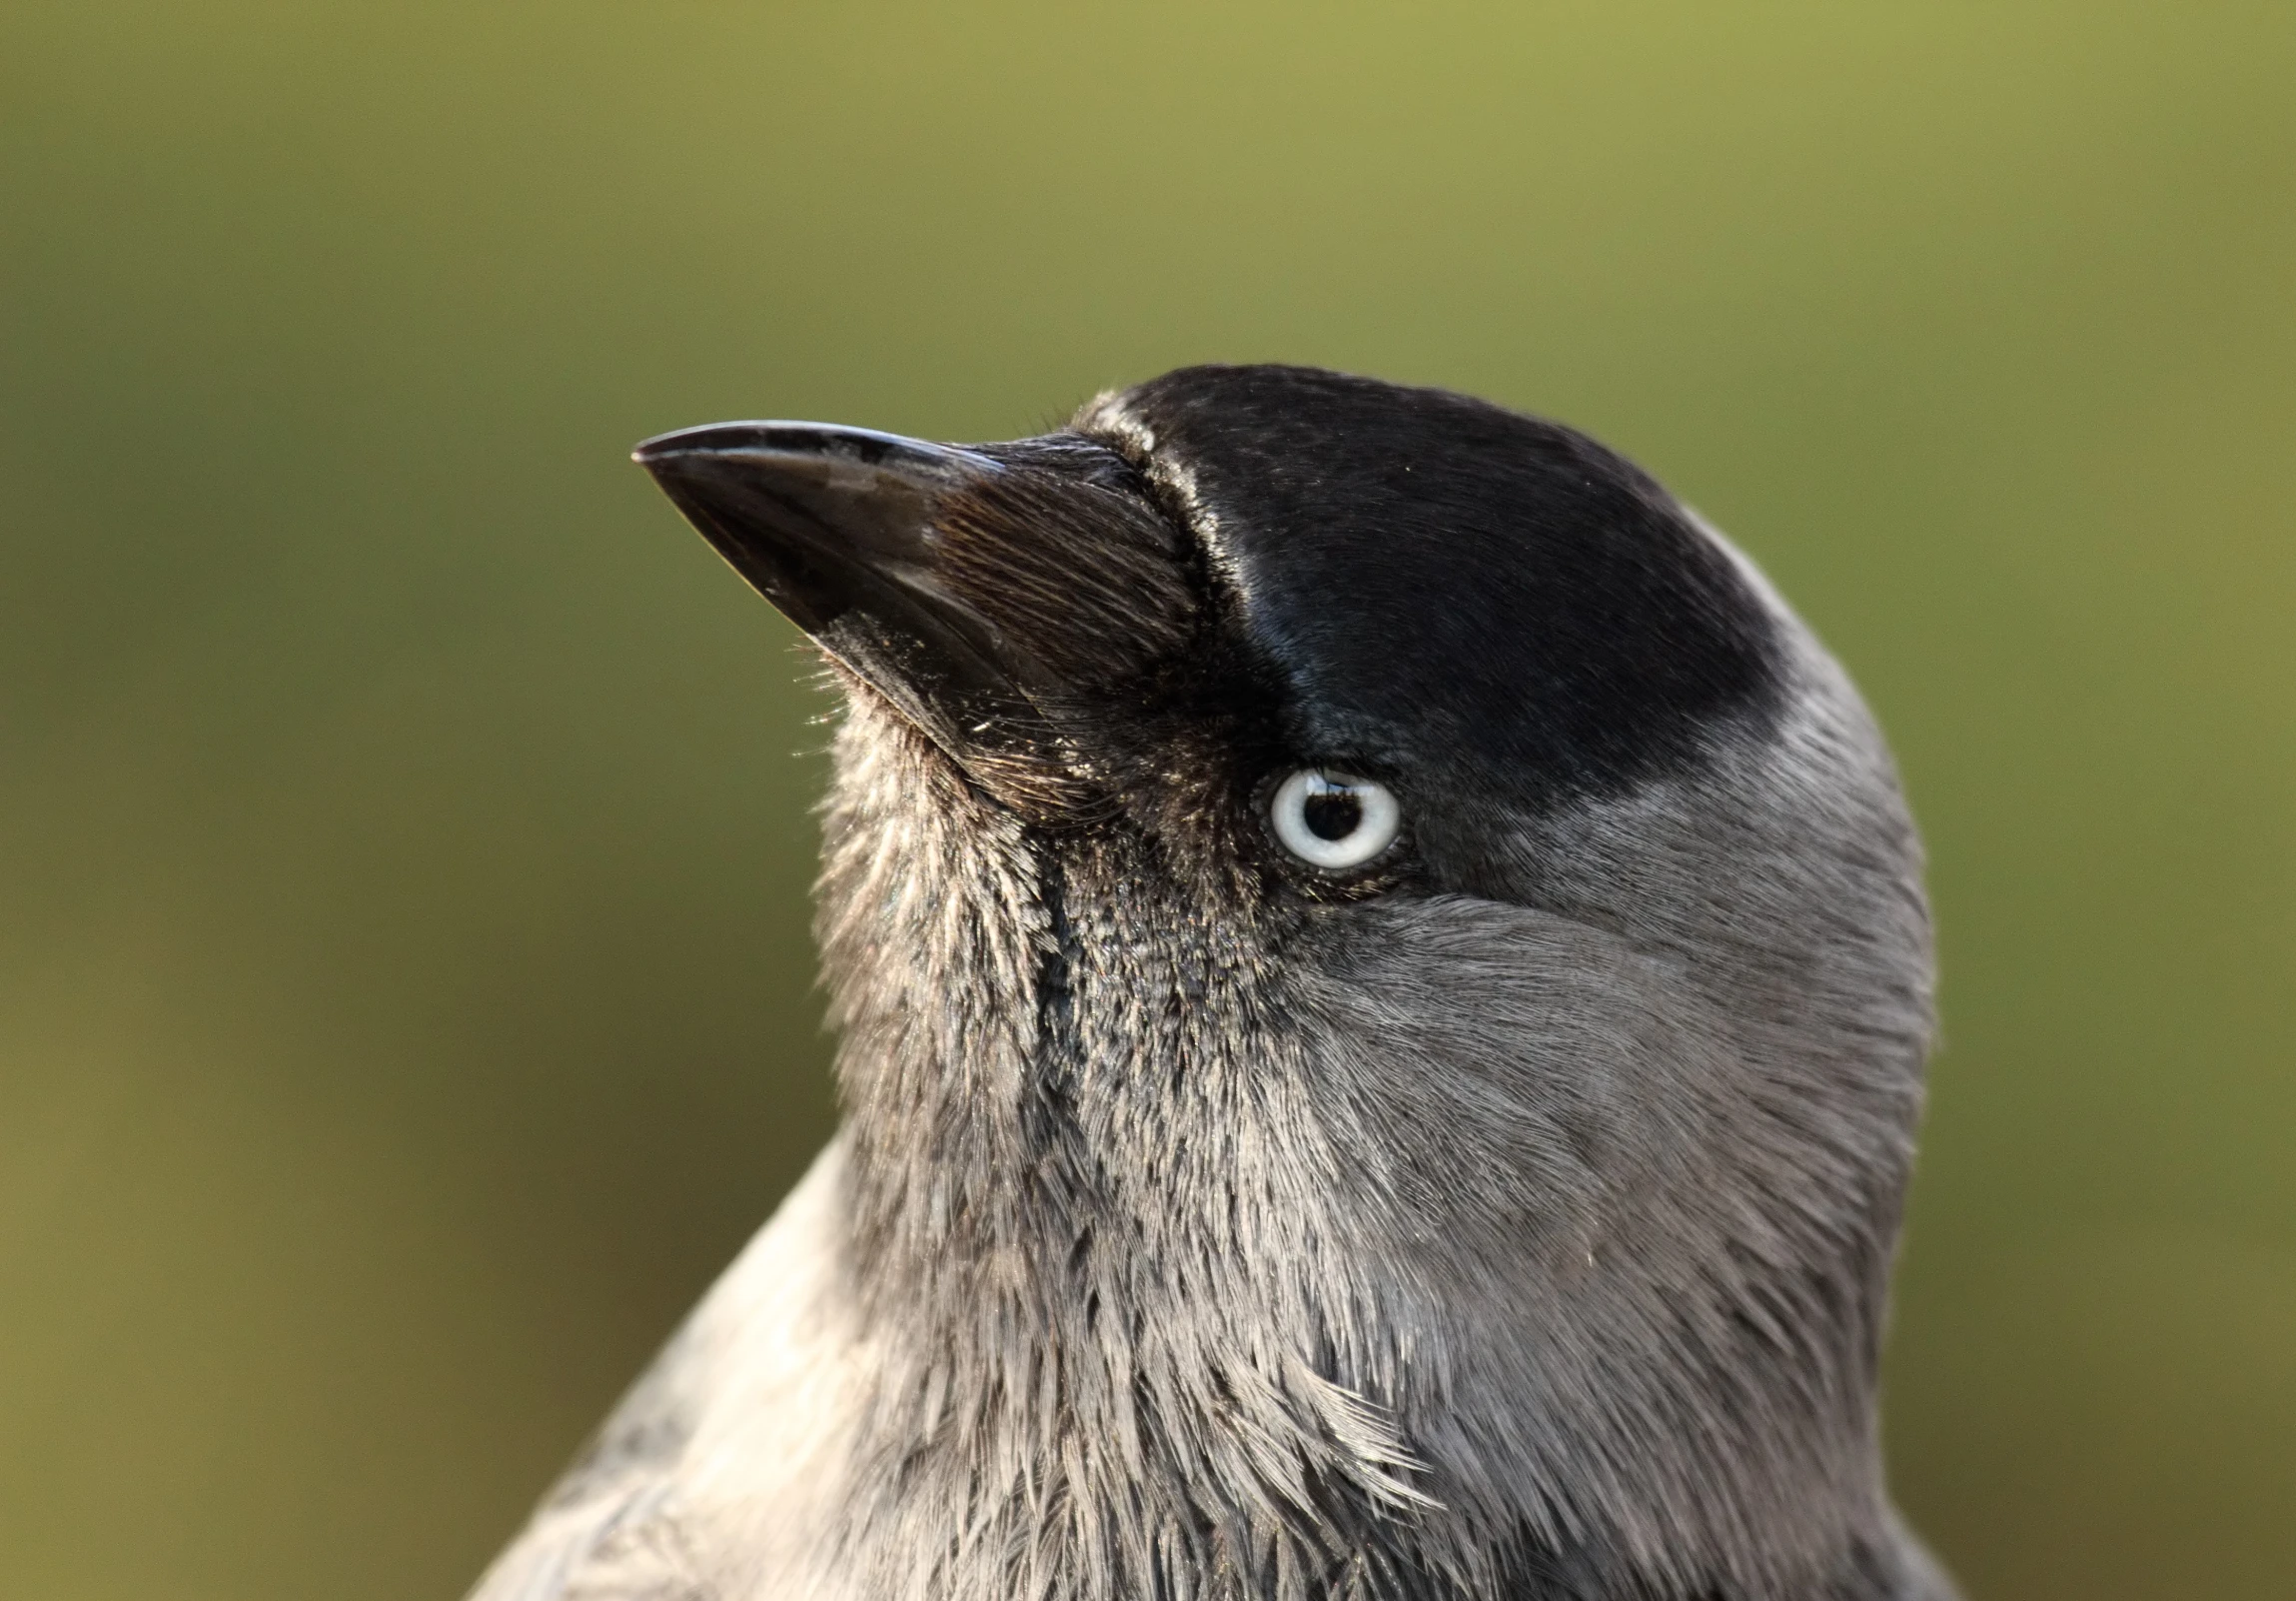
1333,820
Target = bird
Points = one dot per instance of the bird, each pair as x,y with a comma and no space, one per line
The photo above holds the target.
1383,987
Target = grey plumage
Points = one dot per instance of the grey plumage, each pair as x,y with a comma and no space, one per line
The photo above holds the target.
1512,1221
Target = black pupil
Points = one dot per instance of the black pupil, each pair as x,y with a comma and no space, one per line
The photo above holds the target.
1333,814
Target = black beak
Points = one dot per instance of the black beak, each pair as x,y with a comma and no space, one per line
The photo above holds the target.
977,591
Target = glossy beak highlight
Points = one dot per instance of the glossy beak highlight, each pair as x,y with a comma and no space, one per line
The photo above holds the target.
840,529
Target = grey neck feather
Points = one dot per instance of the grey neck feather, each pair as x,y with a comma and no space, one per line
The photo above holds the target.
1474,1249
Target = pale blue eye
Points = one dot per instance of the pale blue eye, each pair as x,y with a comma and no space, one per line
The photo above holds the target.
1334,822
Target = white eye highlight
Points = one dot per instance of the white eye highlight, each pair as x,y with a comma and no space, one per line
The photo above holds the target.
1331,821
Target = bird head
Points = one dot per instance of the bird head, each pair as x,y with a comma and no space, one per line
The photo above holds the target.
1383,976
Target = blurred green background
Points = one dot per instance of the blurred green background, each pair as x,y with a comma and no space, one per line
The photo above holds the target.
404,989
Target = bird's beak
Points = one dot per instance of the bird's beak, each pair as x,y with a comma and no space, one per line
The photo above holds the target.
977,594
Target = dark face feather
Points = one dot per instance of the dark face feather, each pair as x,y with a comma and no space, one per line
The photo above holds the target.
1436,581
